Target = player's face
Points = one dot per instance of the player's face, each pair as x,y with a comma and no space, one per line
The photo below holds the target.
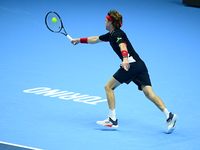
107,24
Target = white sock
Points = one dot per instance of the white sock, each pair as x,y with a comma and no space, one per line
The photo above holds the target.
112,114
166,112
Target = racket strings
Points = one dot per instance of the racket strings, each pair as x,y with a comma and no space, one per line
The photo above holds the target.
52,25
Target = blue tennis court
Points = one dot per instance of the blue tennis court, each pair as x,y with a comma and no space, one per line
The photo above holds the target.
52,92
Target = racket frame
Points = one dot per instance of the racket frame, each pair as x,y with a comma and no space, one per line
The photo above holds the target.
61,28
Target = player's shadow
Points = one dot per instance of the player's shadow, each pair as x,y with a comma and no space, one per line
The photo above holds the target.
102,129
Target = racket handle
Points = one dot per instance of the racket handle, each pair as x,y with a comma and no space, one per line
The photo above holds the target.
69,37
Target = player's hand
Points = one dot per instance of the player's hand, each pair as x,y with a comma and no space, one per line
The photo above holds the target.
125,64
75,41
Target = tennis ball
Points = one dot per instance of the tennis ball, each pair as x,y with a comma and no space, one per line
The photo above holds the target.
54,19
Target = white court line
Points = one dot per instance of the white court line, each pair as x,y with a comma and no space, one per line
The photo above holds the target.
10,144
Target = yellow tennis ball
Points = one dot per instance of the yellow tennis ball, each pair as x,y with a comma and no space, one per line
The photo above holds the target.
54,19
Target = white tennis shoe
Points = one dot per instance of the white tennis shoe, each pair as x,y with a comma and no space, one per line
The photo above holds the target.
171,122
108,123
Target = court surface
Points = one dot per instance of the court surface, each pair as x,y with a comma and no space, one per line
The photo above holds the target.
52,93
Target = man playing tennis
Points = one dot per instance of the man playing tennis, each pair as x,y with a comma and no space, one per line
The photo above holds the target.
132,69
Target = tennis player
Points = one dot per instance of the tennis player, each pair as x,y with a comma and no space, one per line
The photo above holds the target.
132,69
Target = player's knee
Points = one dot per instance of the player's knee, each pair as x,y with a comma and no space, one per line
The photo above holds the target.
149,95
108,87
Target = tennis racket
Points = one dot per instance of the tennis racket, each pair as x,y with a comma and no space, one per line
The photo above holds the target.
54,24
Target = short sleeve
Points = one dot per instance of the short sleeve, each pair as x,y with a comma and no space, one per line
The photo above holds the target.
118,38
105,37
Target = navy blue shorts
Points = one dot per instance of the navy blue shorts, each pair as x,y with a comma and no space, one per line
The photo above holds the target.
137,73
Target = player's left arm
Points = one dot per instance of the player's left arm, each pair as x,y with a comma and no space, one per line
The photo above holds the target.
124,50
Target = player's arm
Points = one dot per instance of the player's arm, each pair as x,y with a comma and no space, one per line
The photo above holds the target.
124,51
93,39
89,40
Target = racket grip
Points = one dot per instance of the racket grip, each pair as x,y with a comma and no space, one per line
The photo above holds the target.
69,37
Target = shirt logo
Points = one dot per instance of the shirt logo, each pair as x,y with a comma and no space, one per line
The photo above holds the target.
119,38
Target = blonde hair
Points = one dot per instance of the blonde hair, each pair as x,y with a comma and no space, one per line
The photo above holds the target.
117,18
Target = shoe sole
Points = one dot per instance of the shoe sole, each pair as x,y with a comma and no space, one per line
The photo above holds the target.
174,120
110,126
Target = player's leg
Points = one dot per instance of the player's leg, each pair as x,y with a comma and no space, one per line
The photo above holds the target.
109,88
171,118
148,91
